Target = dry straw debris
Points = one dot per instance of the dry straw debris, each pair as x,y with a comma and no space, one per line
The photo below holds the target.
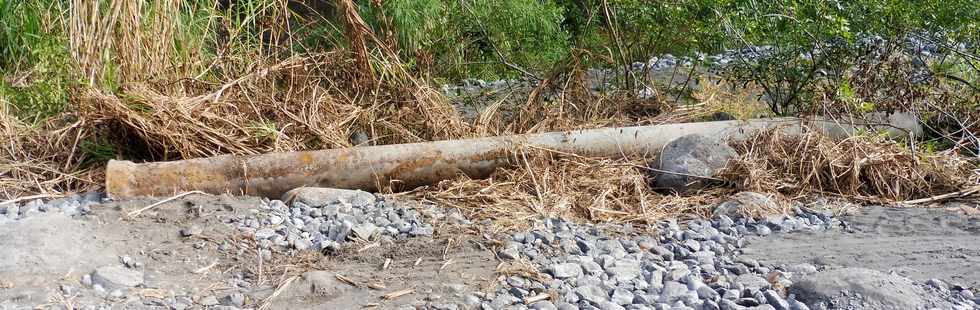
548,183
253,97
520,267
43,159
543,182
865,167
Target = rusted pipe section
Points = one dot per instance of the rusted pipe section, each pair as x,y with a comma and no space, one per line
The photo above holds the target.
409,165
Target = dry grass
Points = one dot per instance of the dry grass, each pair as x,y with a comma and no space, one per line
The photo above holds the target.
249,115
248,99
520,267
738,101
546,183
563,100
239,117
156,99
865,167
43,160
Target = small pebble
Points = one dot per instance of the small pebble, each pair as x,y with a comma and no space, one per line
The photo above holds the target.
192,230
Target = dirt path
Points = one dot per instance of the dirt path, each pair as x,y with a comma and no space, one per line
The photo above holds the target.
917,243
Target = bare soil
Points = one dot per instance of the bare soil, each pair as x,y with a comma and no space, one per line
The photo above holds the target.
918,243
43,252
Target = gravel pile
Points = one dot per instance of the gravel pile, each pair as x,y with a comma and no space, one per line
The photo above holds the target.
327,225
961,297
71,206
684,267
691,266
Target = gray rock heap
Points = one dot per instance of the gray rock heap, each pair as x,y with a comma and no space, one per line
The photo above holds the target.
690,267
71,206
324,218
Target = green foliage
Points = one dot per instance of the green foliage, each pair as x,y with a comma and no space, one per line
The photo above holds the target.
461,36
207,36
23,26
97,152
419,25
35,102
649,28
527,33
470,39
264,130
800,34
34,60
453,40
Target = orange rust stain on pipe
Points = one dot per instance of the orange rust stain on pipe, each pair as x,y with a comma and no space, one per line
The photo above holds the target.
307,163
495,154
401,171
306,159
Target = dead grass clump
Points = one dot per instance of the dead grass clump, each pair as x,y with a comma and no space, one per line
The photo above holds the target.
551,184
866,167
41,161
302,103
239,117
521,268
249,98
738,101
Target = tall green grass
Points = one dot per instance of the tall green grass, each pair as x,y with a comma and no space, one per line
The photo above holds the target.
34,60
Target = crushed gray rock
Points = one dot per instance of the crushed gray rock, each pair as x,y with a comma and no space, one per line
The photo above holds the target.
565,270
592,293
323,196
745,204
75,205
192,230
365,230
694,266
509,253
690,265
209,300
543,305
234,299
325,218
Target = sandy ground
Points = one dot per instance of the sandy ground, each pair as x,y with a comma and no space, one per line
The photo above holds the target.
431,282
918,243
44,253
